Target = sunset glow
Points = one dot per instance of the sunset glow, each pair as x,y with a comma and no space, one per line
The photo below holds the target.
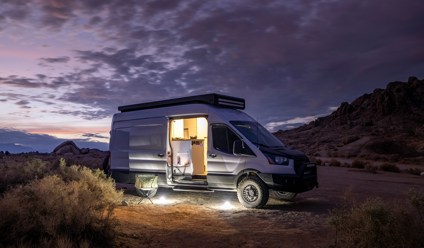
66,66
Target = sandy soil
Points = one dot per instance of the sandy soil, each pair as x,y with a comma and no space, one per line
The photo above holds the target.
185,219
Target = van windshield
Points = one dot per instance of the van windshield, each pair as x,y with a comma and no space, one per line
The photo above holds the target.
257,134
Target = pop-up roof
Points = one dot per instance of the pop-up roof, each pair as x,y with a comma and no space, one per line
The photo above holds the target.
211,99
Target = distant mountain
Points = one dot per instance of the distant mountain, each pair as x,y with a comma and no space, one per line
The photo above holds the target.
386,125
15,148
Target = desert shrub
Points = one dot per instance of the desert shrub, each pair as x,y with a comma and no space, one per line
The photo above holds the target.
371,168
346,165
389,167
317,161
350,139
71,209
416,198
375,224
413,171
20,173
335,163
359,164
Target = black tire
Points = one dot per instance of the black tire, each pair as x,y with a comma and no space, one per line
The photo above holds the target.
283,195
146,193
252,192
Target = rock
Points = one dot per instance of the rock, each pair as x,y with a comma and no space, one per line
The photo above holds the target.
388,122
85,150
67,148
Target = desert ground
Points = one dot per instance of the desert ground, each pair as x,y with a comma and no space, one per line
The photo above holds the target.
187,219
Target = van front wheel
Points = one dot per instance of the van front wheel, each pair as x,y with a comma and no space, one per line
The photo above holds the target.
252,192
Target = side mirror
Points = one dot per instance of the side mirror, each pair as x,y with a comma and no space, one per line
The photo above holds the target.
238,147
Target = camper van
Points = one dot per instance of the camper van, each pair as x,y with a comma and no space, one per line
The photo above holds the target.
204,143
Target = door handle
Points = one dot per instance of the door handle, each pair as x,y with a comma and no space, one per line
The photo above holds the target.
160,155
212,155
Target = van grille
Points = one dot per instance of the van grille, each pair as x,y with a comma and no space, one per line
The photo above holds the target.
300,166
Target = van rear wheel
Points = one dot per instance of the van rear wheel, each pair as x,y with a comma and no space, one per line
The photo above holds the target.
283,195
252,192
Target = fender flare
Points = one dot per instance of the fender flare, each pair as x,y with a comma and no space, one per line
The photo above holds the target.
245,173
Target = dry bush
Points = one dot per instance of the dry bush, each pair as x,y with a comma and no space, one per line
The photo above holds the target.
376,224
358,164
414,171
350,139
371,168
389,167
13,174
70,209
334,163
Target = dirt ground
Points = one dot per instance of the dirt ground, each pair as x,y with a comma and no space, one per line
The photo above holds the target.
186,219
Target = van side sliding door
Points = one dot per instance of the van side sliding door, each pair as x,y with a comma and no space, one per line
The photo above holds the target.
147,145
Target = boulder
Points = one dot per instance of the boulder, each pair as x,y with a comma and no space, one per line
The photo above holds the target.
67,147
85,150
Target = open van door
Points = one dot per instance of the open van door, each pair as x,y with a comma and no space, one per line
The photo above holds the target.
188,145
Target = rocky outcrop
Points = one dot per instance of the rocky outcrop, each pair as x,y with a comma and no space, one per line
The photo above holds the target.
67,148
391,117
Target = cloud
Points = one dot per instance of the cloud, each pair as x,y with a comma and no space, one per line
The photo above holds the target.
23,104
295,122
42,142
94,135
288,59
63,59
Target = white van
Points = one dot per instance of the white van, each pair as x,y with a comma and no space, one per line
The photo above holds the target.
205,143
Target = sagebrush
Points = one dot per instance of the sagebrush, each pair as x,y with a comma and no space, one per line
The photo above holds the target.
374,223
71,207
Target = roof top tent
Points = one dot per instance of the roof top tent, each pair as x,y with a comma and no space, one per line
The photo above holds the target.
212,99
205,143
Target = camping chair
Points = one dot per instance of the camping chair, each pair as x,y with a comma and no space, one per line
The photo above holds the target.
146,185
183,161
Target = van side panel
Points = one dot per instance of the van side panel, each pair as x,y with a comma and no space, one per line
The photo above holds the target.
137,146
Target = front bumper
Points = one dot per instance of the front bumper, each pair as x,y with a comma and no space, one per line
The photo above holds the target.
304,180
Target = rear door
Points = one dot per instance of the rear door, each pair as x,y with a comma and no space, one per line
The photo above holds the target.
147,145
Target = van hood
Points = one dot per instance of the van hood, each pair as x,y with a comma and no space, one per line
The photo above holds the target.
286,152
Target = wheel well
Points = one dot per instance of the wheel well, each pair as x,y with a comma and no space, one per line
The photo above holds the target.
246,173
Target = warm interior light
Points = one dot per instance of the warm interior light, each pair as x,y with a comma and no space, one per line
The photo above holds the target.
178,129
202,128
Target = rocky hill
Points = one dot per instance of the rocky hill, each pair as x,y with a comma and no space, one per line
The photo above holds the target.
386,125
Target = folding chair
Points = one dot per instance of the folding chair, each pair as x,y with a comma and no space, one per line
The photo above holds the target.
146,186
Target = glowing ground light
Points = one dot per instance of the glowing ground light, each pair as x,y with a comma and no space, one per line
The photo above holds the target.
163,201
226,206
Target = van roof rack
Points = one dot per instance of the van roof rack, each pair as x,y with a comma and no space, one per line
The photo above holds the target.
211,99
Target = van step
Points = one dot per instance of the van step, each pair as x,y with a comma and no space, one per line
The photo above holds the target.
192,189
191,182
198,177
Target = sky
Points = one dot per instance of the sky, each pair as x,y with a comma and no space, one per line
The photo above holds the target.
66,66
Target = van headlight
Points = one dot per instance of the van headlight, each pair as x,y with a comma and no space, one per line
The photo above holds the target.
276,159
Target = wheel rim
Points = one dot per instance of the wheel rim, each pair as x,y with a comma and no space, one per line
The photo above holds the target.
250,193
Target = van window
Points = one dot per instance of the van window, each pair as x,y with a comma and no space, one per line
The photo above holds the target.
257,134
147,137
223,139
